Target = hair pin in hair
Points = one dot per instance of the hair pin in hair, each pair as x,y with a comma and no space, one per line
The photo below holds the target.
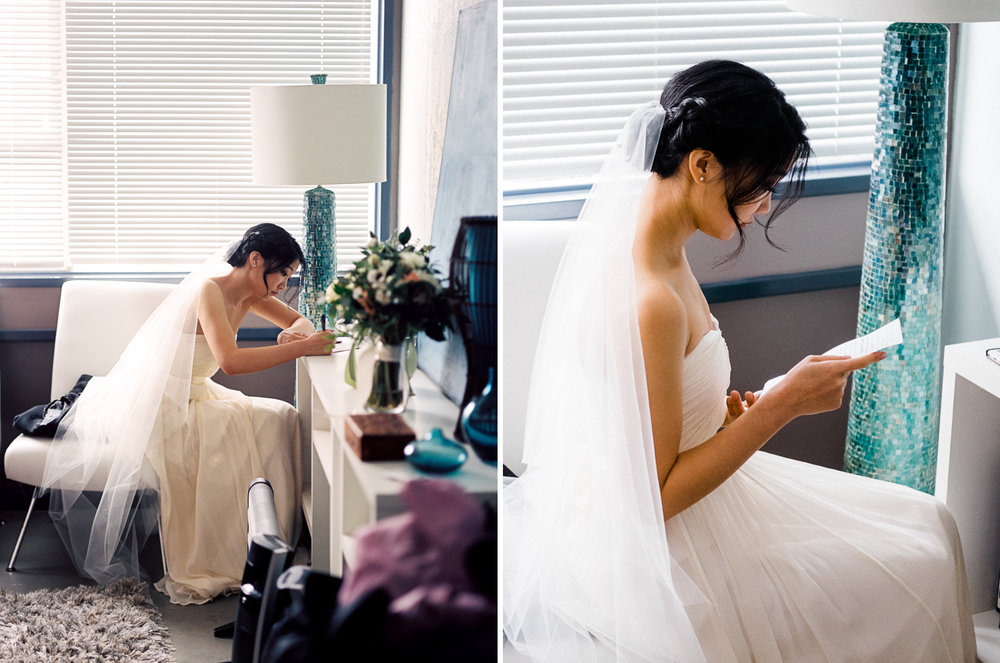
685,106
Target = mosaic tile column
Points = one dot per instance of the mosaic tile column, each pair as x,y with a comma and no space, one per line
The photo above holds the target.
893,426
320,234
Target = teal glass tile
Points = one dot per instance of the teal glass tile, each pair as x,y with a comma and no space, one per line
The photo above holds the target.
319,233
893,424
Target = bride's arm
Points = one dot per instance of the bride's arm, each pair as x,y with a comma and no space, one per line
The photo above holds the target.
816,384
234,360
294,326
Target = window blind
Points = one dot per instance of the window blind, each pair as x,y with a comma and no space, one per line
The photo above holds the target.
32,212
157,124
573,70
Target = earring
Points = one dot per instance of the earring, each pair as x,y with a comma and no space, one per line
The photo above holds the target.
701,179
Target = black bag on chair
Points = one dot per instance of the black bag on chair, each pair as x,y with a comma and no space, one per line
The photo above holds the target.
43,420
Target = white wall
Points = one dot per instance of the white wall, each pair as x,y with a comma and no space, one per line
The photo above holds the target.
821,232
428,50
972,230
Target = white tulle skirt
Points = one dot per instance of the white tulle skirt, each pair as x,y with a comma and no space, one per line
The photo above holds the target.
803,563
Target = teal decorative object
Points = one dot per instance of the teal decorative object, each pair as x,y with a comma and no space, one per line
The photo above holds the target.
319,232
473,280
893,425
435,453
479,421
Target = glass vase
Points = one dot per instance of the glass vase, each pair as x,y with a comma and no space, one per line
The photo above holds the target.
390,384
479,421
435,453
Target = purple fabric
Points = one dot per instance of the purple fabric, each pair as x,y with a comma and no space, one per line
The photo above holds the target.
419,557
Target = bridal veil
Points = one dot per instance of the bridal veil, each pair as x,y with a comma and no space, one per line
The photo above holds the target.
587,572
113,429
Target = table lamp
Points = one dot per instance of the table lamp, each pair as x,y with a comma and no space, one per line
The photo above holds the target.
893,422
313,135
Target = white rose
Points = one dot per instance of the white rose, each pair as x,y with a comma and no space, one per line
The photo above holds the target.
358,294
372,243
382,296
373,276
412,260
331,295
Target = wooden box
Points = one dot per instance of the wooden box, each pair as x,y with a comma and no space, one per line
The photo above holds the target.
377,436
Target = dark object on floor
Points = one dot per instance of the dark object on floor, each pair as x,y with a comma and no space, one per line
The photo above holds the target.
315,627
43,420
267,558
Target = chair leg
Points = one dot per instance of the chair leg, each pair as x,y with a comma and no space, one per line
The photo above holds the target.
159,534
17,546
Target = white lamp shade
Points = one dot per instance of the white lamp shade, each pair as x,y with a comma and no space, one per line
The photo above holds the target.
910,11
318,134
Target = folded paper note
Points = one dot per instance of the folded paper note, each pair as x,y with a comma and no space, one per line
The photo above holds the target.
880,339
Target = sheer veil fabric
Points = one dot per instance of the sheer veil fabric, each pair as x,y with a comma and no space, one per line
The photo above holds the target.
114,427
587,571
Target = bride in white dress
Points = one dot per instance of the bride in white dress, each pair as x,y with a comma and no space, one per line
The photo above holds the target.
648,526
159,409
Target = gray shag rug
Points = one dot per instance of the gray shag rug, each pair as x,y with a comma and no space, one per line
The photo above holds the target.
116,622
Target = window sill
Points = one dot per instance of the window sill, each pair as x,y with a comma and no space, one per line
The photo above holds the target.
51,279
565,203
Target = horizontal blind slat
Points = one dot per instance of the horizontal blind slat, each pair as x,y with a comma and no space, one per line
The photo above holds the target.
575,69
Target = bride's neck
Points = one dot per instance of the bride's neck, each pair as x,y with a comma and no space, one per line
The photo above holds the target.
237,288
664,225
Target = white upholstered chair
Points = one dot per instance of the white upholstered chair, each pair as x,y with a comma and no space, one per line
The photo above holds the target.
96,321
532,251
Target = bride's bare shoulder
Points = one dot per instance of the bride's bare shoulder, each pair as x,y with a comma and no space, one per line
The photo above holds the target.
659,307
211,294
211,286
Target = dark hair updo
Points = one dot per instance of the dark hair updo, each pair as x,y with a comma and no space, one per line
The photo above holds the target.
739,115
277,248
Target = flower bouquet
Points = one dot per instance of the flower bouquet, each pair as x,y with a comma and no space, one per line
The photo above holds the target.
389,296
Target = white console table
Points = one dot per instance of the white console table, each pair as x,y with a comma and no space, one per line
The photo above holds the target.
341,492
968,468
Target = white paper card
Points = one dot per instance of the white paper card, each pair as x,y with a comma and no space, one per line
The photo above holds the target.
880,339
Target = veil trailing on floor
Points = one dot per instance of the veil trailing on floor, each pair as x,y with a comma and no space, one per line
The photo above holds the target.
587,571
113,430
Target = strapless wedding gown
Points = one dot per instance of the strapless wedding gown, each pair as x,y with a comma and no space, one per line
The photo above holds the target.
802,563
228,440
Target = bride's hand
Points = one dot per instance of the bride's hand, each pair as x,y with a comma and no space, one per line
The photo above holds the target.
816,384
320,343
735,406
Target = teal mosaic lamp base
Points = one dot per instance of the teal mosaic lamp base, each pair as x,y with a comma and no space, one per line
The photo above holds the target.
893,424
319,232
